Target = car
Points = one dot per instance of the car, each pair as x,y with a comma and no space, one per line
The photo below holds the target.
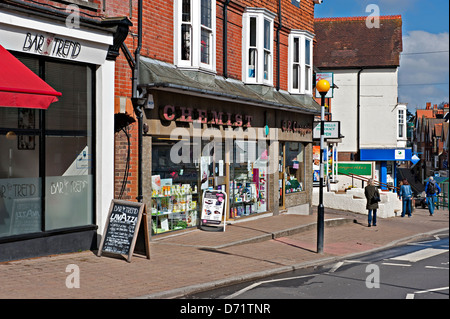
420,200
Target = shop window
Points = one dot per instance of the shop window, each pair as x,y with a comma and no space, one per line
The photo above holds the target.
295,167
300,62
258,46
55,159
69,147
248,180
195,28
175,191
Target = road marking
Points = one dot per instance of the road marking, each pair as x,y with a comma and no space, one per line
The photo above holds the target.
400,265
431,290
420,255
356,262
336,267
256,284
434,267
411,296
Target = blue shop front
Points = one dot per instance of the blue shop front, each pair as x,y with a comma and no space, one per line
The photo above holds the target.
386,162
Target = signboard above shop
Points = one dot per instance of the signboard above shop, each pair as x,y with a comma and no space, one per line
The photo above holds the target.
388,154
54,40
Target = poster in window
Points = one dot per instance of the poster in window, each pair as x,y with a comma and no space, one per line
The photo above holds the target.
316,163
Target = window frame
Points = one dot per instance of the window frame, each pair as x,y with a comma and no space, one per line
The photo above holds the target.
262,51
196,28
401,122
305,71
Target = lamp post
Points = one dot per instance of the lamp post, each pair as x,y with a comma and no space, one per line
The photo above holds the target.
322,86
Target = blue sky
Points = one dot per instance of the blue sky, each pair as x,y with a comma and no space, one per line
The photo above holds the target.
424,74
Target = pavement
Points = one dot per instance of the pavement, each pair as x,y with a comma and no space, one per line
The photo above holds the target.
198,260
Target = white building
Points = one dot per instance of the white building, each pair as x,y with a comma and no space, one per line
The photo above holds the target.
364,62
56,164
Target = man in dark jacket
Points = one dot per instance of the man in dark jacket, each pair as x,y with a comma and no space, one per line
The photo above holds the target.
373,197
431,189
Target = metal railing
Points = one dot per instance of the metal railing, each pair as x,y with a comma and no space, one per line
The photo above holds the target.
376,183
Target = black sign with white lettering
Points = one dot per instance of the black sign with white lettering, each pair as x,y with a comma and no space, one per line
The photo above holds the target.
122,228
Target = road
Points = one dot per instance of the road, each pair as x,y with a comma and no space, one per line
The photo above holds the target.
417,270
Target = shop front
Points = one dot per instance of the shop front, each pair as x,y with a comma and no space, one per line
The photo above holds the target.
53,191
259,154
386,164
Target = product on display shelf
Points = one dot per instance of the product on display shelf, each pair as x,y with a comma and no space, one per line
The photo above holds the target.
174,206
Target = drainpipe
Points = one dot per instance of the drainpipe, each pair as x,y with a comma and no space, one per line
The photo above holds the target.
225,38
138,108
358,113
280,25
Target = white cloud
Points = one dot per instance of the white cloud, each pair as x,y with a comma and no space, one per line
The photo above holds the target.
424,69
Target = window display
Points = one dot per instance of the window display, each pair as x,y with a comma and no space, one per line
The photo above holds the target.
248,181
174,207
175,191
294,167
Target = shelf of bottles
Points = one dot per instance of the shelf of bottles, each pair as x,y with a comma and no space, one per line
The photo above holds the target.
174,207
248,193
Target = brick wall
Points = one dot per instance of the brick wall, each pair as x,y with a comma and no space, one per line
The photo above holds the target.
158,43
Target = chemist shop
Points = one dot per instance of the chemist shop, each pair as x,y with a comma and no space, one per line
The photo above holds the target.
52,136
261,157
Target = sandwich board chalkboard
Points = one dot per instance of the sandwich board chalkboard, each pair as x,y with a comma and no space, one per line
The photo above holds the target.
124,230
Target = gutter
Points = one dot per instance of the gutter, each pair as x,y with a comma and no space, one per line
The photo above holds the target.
280,25
225,38
358,113
135,98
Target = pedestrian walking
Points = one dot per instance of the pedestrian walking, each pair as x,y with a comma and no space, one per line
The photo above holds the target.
406,195
372,197
431,189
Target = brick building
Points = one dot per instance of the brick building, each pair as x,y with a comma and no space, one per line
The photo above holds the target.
234,80
225,92
429,141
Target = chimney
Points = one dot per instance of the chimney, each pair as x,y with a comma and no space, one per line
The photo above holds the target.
428,105
435,107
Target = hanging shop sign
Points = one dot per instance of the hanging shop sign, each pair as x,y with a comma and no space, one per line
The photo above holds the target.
213,208
124,233
329,76
331,130
189,115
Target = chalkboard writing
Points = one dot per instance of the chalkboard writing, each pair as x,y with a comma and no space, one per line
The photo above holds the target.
122,228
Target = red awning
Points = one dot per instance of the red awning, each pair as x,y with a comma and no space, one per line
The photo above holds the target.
21,87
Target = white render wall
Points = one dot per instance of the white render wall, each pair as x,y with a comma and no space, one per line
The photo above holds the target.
104,142
355,201
378,112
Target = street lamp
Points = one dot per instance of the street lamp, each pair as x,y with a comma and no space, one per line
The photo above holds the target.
322,86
